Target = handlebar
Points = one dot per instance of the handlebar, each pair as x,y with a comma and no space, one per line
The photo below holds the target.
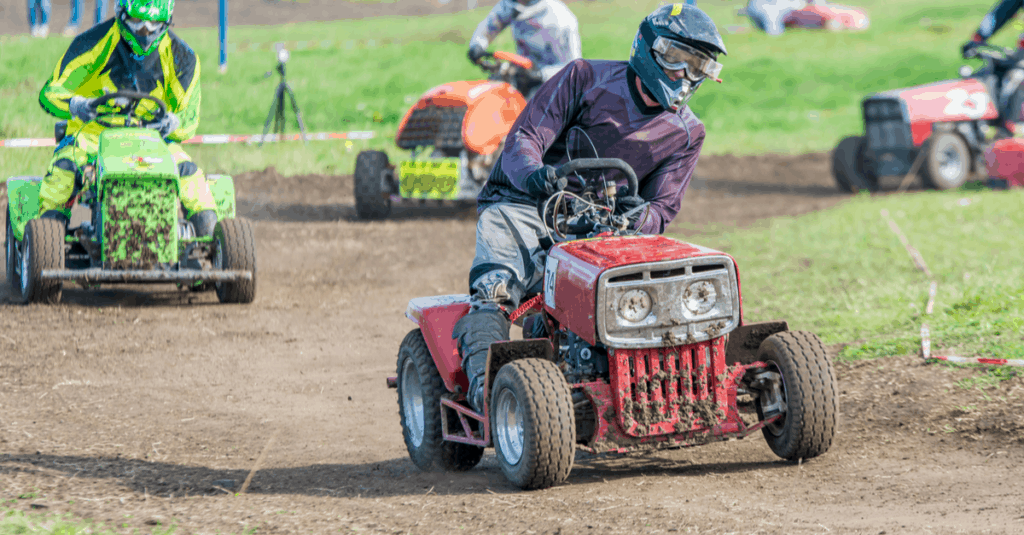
587,164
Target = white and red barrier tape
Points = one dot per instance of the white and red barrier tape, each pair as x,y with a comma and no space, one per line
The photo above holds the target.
211,139
933,287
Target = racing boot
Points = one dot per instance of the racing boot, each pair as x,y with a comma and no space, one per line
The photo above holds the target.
204,222
475,333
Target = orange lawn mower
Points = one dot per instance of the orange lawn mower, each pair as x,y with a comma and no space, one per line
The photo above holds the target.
455,133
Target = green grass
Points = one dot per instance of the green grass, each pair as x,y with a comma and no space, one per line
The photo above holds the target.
796,93
843,274
15,522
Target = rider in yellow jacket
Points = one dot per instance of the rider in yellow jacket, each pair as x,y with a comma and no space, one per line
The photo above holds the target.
132,51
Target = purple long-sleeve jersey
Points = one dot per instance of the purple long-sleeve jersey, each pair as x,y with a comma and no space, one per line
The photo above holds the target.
600,99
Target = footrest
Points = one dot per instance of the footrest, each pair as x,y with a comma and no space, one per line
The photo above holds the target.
467,434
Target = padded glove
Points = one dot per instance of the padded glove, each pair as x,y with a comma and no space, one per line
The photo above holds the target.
968,50
169,123
475,53
82,108
630,206
543,183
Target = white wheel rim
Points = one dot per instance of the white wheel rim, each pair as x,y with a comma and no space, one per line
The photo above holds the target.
509,427
24,266
950,165
412,402
777,426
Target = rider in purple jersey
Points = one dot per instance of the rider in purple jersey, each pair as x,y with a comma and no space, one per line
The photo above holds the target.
633,110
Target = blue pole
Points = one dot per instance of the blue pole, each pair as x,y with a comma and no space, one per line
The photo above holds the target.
223,35
691,2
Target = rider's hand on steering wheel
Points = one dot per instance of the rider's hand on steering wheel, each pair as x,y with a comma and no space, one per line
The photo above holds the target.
475,53
629,205
544,182
169,123
82,107
969,50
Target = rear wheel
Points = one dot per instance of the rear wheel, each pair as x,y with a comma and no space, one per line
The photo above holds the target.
42,249
235,249
947,161
419,407
372,190
800,386
848,168
534,425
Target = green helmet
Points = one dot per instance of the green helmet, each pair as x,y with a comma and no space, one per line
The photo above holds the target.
143,23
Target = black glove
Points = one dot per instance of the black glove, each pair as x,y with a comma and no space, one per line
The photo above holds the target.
82,107
968,50
475,53
631,206
543,183
528,78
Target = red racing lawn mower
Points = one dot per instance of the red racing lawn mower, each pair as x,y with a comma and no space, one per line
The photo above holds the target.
942,132
643,348
455,133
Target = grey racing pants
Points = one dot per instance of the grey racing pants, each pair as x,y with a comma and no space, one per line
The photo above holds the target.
509,262
509,259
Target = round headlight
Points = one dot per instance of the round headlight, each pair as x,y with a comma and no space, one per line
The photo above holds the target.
635,305
700,297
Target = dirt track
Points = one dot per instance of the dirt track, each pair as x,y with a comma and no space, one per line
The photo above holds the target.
129,406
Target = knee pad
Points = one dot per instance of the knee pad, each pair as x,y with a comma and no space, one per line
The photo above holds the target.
187,169
495,286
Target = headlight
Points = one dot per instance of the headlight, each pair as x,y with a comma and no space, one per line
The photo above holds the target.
635,305
700,297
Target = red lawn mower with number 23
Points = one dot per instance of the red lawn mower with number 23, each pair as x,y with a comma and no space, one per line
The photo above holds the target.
639,344
942,131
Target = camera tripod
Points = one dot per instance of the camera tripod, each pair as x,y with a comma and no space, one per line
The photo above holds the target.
277,107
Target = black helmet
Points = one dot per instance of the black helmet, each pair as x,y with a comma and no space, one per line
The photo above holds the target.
676,37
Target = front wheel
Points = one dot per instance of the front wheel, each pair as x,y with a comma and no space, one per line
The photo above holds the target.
848,167
235,249
947,161
800,385
42,249
534,424
372,193
419,407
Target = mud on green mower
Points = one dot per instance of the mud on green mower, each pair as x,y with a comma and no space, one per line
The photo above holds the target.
135,233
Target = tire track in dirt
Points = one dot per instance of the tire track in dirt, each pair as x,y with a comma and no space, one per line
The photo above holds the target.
142,401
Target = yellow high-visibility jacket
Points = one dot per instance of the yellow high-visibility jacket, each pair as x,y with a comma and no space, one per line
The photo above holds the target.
99,62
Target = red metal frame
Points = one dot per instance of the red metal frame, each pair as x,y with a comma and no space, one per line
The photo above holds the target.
467,436
436,317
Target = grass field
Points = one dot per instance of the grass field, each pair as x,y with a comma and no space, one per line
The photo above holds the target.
796,93
843,274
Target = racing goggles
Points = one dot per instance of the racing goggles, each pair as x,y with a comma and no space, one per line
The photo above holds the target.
153,26
676,56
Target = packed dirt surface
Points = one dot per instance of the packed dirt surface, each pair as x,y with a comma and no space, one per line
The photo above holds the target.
205,13
140,407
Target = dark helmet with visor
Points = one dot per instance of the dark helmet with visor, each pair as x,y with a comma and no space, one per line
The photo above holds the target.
676,37
143,23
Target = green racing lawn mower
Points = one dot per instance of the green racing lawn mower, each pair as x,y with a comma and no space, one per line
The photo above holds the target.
136,233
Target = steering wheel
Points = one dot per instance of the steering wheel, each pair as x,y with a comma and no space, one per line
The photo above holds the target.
128,110
593,215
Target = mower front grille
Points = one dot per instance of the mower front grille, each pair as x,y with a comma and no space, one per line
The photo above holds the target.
885,125
433,126
139,223
669,390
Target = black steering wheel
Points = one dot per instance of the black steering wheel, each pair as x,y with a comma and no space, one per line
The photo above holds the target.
133,98
590,217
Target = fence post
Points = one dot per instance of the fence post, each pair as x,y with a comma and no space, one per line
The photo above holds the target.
223,34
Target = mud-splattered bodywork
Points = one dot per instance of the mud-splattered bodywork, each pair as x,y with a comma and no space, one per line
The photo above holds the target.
666,381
